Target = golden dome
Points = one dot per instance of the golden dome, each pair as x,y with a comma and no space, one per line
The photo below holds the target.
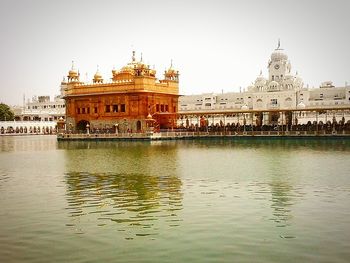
73,72
97,74
129,68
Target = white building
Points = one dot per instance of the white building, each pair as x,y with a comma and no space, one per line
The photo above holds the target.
281,90
38,116
41,108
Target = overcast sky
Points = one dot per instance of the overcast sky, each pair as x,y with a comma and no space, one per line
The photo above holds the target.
216,45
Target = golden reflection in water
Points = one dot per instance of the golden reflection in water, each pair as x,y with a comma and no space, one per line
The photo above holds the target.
125,185
135,199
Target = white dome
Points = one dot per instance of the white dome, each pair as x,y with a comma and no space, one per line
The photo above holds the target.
278,54
301,105
260,80
244,107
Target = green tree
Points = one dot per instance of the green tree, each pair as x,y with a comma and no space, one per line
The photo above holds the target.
5,113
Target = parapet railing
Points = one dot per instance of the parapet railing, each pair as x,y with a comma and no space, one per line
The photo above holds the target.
200,134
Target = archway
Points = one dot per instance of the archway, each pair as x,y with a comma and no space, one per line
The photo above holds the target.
138,126
274,116
81,125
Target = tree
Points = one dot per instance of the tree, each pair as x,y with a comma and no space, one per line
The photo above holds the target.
5,113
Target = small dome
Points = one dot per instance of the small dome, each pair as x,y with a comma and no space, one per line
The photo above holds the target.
73,72
152,72
260,80
251,88
244,107
301,105
97,75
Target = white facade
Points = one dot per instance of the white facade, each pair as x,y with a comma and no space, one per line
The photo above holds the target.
27,127
42,109
280,90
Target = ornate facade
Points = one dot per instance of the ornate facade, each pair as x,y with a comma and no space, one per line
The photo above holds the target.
132,96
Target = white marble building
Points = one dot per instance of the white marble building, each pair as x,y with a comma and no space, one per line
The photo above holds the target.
280,90
41,108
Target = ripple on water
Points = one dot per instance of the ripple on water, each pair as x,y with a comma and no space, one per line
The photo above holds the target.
140,199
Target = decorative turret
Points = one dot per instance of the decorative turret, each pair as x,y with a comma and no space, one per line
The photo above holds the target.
278,65
171,74
97,77
73,74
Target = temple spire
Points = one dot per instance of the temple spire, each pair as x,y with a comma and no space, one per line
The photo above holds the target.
279,44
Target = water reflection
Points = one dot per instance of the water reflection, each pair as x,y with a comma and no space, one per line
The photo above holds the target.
282,201
131,199
27,143
131,186
314,143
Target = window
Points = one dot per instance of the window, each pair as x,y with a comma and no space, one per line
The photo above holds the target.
162,107
273,77
108,109
157,108
83,111
175,107
95,109
122,107
166,108
115,108
88,110
274,101
78,110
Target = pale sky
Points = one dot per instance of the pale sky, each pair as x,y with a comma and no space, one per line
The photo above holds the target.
216,45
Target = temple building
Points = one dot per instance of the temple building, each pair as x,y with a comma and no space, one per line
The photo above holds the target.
126,101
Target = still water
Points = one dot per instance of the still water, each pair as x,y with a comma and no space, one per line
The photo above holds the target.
184,201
